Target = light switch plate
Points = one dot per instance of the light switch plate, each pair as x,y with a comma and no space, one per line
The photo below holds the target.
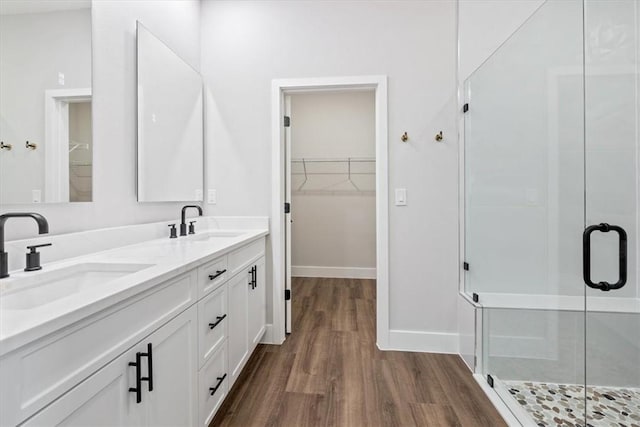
212,197
401,197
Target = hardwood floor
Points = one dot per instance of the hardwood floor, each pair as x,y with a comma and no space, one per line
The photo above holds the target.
329,372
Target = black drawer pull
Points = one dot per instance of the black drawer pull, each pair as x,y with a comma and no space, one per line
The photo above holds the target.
218,274
213,390
149,356
217,322
138,388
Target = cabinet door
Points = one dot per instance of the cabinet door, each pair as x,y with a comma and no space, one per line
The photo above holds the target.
238,288
257,306
173,400
103,399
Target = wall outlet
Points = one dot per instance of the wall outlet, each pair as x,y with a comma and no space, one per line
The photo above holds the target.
199,194
212,197
36,196
61,79
401,197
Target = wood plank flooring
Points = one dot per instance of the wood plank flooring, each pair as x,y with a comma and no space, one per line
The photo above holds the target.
329,372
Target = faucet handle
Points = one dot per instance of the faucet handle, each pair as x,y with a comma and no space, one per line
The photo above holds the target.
33,247
173,231
192,228
33,257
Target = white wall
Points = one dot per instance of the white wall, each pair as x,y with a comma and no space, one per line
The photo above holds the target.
114,117
247,44
34,48
334,223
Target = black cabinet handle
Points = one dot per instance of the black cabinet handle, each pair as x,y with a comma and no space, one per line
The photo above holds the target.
252,282
218,274
149,356
217,322
255,276
213,390
622,256
138,388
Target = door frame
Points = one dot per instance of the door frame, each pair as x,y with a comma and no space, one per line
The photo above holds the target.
56,140
279,88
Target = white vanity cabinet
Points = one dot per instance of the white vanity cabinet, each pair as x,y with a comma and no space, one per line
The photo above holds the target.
238,324
247,308
165,362
166,356
257,310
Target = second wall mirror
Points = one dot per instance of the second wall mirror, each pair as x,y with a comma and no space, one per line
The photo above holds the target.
170,124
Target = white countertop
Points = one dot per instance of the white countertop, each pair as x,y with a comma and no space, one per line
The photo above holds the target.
168,257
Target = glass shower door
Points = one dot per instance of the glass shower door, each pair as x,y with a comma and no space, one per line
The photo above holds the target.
612,122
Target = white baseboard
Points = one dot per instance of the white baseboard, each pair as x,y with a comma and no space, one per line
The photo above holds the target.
268,338
333,272
425,342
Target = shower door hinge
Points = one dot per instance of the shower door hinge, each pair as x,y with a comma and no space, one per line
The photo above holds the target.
287,294
465,108
490,380
287,121
465,266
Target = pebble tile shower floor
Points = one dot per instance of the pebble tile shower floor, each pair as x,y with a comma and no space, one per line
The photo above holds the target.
563,405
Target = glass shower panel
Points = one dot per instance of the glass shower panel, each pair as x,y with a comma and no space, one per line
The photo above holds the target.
524,214
524,162
612,196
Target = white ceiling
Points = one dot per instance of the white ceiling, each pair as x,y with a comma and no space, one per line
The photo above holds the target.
17,7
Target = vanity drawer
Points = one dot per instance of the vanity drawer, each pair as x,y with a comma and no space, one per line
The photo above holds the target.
37,374
242,257
212,323
211,275
213,378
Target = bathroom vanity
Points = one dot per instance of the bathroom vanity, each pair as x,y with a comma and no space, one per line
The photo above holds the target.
153,333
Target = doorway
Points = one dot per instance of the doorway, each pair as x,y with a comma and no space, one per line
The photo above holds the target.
289,172
330,184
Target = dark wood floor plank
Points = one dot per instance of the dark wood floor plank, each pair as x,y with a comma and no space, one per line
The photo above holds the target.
329,372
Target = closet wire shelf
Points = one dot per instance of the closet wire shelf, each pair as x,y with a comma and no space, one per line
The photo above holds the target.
333,176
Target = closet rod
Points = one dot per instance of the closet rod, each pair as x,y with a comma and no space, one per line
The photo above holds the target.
341,160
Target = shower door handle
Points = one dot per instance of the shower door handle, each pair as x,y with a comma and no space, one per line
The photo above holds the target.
622,256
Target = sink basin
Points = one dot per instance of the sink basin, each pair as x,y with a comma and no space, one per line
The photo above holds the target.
26,293
209,235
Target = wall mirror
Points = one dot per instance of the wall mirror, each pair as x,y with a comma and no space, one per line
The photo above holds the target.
45,101
170,124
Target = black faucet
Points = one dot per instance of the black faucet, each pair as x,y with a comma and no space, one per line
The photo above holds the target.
183,224
43,228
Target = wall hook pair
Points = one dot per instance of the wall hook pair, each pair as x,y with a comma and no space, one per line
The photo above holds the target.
8,147
439,137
